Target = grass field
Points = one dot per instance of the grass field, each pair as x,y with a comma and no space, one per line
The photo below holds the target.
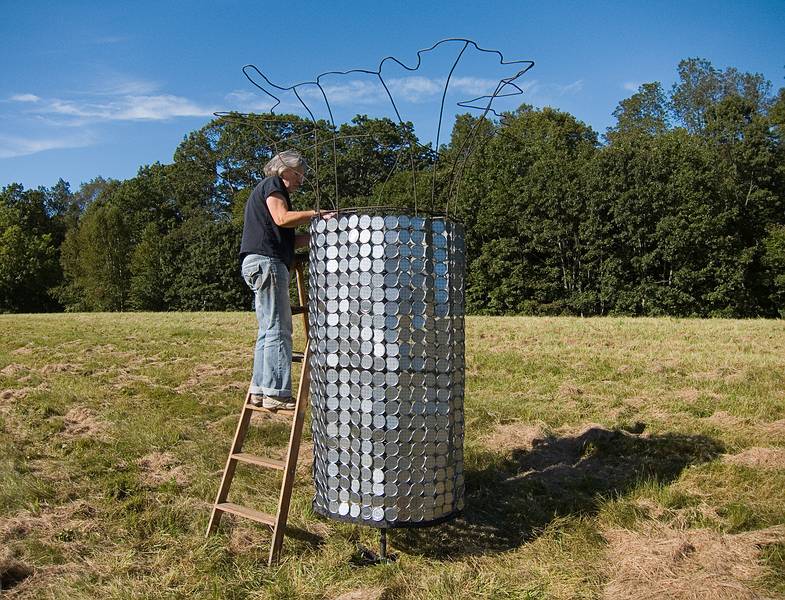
616,458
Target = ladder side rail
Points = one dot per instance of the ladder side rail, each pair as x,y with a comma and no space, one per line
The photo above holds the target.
293,450
231,465
291,461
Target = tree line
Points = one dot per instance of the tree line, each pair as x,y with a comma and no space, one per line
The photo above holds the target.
678,209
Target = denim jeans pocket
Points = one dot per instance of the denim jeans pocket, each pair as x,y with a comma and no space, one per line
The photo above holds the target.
256,273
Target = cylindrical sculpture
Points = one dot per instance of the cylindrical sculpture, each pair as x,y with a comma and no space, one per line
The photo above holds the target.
387,367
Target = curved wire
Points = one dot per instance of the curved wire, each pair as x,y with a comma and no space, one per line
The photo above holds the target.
269,88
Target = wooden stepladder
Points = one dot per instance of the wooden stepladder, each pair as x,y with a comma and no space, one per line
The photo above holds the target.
276,522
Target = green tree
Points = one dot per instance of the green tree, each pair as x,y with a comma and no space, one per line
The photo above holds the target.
701,86
95,260
202,270
667,226
774,262
644,113
29,238
194,176
526,211
147,198
148,267
28,264
369,153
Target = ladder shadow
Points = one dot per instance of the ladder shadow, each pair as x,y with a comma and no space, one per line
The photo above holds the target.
307,538
512,499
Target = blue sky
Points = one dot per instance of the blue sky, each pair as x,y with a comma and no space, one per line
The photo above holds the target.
101,88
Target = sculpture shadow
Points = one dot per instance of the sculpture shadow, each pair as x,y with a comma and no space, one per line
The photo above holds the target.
510,499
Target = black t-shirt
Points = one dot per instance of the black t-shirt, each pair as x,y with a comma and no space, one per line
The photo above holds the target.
261,235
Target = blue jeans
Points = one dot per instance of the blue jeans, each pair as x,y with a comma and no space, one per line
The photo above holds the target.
272,360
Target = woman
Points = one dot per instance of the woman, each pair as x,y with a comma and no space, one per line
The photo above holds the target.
267,252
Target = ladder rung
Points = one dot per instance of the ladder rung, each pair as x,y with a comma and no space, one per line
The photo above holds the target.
298,310
259,460
297,356
248,513
285,413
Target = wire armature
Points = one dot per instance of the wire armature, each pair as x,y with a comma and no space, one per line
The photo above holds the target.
505,87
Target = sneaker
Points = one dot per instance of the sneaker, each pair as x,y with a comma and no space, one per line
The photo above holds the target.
274,404
256,400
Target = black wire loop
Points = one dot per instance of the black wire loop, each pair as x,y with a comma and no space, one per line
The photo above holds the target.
505,87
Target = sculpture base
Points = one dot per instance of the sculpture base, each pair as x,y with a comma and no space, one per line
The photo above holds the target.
384,524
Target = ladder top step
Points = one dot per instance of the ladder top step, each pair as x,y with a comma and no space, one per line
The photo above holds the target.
297,356
252,459
248,513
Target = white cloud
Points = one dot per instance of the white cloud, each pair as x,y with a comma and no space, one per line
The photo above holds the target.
541,93
257,102
570,89
71,120
11,146
25,98
475,86
631,86
414,89
55,120
423,89
353,91
124,108
156,108
121,85
241,97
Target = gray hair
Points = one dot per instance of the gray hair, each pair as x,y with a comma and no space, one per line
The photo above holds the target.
288,159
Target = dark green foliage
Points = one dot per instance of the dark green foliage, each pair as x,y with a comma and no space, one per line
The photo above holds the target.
148,271
29,240
661,220
774,262
530,222
680,212
202,269
96,260
643,113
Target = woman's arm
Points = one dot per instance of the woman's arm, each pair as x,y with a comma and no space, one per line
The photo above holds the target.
284,217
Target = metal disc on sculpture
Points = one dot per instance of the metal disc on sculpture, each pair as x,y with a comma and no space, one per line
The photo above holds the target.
387,385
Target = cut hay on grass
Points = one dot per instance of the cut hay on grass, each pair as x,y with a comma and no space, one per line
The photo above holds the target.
53,368
660,562
161,467
761,458
514,436
14,370
722,418
362,594
775,427
245,538
82,422
16,394
207,374
78,515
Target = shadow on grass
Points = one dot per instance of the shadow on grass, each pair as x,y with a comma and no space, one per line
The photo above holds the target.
307,538
510,499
